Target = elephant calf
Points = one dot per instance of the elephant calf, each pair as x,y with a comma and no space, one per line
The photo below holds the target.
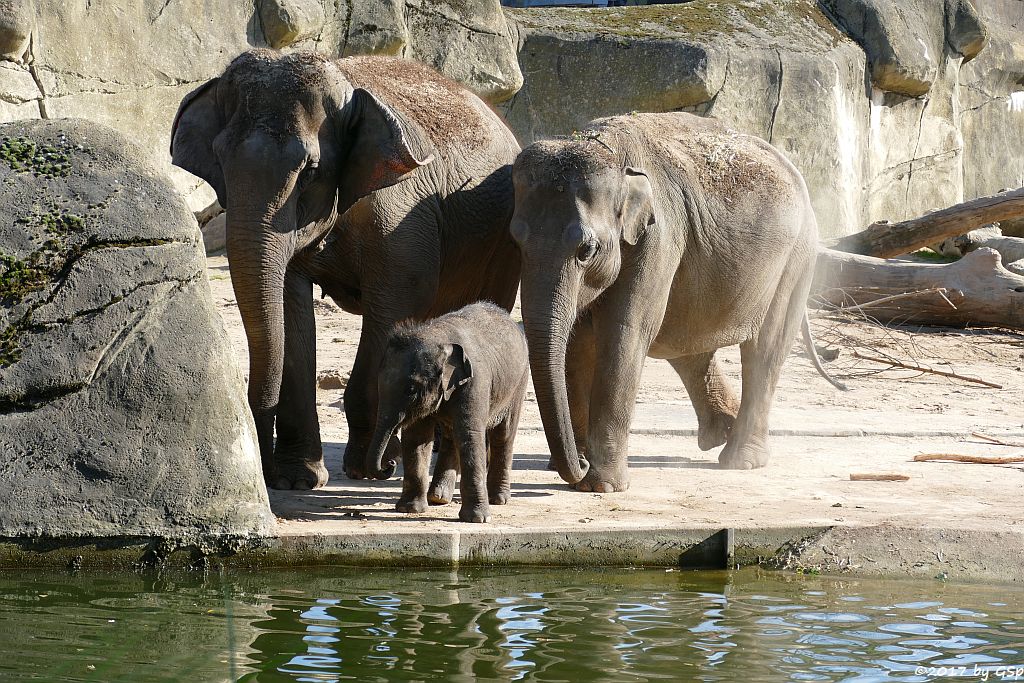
663,235
467,370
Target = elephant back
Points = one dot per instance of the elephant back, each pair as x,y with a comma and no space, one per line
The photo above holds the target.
452,116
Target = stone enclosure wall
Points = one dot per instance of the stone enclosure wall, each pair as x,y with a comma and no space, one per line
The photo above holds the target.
888,107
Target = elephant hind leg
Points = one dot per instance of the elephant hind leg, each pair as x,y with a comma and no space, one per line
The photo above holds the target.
712,395
762,357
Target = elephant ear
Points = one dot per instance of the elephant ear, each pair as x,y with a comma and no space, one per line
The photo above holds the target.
385,147
198,121
457,369
637,211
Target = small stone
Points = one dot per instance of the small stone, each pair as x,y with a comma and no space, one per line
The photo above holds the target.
332,379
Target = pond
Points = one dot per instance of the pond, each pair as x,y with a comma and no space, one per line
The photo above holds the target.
496,625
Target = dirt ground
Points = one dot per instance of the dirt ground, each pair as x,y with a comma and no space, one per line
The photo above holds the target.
820,436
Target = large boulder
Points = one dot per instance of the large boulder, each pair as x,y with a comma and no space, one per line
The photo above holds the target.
888,108
122,410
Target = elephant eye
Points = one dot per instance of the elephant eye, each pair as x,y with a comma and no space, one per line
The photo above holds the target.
308,175
587,250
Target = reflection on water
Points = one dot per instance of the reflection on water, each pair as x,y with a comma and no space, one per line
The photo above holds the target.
491,625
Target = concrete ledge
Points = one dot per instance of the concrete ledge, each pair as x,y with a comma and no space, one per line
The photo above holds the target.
961,554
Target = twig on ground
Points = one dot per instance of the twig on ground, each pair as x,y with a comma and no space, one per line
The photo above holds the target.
941,291
974,459
922,368
878,477
986,437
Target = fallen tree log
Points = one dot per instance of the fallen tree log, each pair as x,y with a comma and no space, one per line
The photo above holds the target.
885,240
976,291
1011,249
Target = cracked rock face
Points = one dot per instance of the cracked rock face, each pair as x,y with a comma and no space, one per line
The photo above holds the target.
122,412
887,107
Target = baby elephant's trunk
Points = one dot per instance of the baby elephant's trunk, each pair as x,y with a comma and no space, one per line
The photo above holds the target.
375,466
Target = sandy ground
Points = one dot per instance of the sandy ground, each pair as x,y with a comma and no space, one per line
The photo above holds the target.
821,436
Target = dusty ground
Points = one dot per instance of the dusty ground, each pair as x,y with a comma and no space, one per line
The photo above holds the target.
821,436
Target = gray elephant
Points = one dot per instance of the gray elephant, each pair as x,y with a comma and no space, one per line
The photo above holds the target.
662,235
467,371
376,178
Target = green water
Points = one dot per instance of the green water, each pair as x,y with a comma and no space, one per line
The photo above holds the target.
539,625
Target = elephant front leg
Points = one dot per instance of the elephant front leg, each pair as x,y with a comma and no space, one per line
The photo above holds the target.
417,444
446,471
712,396
612,399
361,402
298,452
580,364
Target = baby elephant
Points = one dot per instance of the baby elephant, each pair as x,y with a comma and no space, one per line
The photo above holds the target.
468,371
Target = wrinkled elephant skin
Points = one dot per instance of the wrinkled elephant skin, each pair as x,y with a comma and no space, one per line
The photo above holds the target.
373,177
662,235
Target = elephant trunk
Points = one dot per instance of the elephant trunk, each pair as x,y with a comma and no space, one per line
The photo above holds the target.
258,255
548,316
375,467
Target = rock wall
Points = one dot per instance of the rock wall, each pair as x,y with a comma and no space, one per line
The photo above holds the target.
128,63
888,108
122,409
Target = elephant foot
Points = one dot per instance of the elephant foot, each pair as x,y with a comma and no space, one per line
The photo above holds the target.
746,457
442,488
354,462
299,475
476,514
500,497
412,505
598,481
714,431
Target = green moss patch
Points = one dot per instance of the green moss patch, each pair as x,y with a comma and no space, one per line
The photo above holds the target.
20,277
793,24
10,349
23,154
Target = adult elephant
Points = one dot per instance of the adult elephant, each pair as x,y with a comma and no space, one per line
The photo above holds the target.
663,235
376,178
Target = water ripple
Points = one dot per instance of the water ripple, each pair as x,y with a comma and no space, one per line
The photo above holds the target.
494,625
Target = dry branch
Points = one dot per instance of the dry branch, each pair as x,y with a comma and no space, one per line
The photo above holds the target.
975,459
923,368
885,240
878,477
992,439
975,291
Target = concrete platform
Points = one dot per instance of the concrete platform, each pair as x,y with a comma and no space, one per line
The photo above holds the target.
802,512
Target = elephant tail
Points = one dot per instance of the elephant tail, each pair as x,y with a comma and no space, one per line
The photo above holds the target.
805,328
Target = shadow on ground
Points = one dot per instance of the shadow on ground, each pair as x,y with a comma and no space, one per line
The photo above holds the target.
345,499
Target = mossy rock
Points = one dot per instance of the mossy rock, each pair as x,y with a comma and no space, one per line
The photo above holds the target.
789,24
109,425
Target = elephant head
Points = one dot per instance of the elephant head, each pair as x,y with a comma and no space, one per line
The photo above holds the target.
415,378
578,207
288,144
